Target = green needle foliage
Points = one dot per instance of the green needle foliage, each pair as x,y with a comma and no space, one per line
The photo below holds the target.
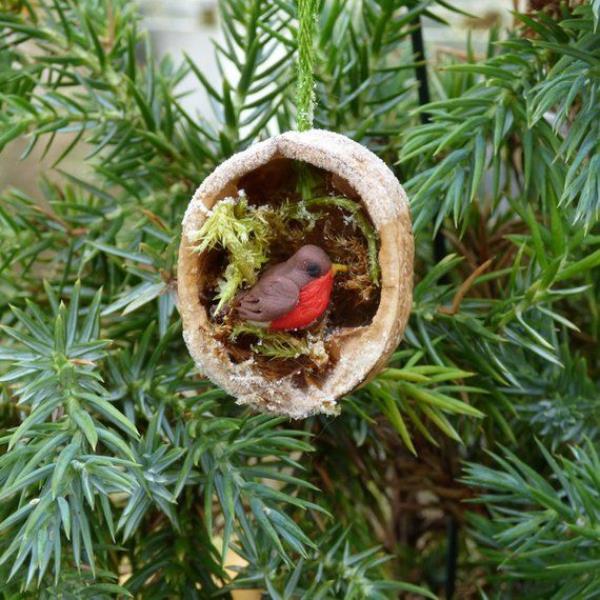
543,534
125,473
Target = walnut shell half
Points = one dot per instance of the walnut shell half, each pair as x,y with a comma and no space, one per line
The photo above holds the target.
363,351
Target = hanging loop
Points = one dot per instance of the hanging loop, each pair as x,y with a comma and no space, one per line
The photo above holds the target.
305,93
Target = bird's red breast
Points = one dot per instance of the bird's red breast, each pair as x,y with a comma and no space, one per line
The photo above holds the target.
312,302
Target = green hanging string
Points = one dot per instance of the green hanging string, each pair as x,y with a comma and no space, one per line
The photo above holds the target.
305,93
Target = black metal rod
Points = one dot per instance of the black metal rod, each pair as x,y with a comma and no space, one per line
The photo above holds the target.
451,557
439,252
418,48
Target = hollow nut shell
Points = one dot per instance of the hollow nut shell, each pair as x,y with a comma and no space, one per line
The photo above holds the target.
363,351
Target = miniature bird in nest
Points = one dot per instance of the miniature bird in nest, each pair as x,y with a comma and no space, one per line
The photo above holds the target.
293,294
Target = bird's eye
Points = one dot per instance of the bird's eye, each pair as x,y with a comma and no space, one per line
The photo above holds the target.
313,269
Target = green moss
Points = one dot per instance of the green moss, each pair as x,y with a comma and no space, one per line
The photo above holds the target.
274,344
246,233
368,231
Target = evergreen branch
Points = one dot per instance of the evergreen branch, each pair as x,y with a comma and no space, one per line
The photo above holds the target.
550,543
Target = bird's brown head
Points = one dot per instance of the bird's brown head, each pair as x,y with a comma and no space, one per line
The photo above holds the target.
307,264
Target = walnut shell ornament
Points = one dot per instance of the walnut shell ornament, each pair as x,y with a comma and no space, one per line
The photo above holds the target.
359,338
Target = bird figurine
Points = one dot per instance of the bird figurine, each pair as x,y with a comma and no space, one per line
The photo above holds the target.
293,294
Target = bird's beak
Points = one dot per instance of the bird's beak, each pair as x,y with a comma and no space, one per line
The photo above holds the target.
337,268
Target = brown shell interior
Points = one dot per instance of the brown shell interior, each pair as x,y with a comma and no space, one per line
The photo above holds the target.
355,298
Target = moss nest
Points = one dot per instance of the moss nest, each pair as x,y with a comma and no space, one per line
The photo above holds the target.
276,209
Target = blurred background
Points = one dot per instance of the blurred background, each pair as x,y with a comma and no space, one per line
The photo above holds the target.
179,27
